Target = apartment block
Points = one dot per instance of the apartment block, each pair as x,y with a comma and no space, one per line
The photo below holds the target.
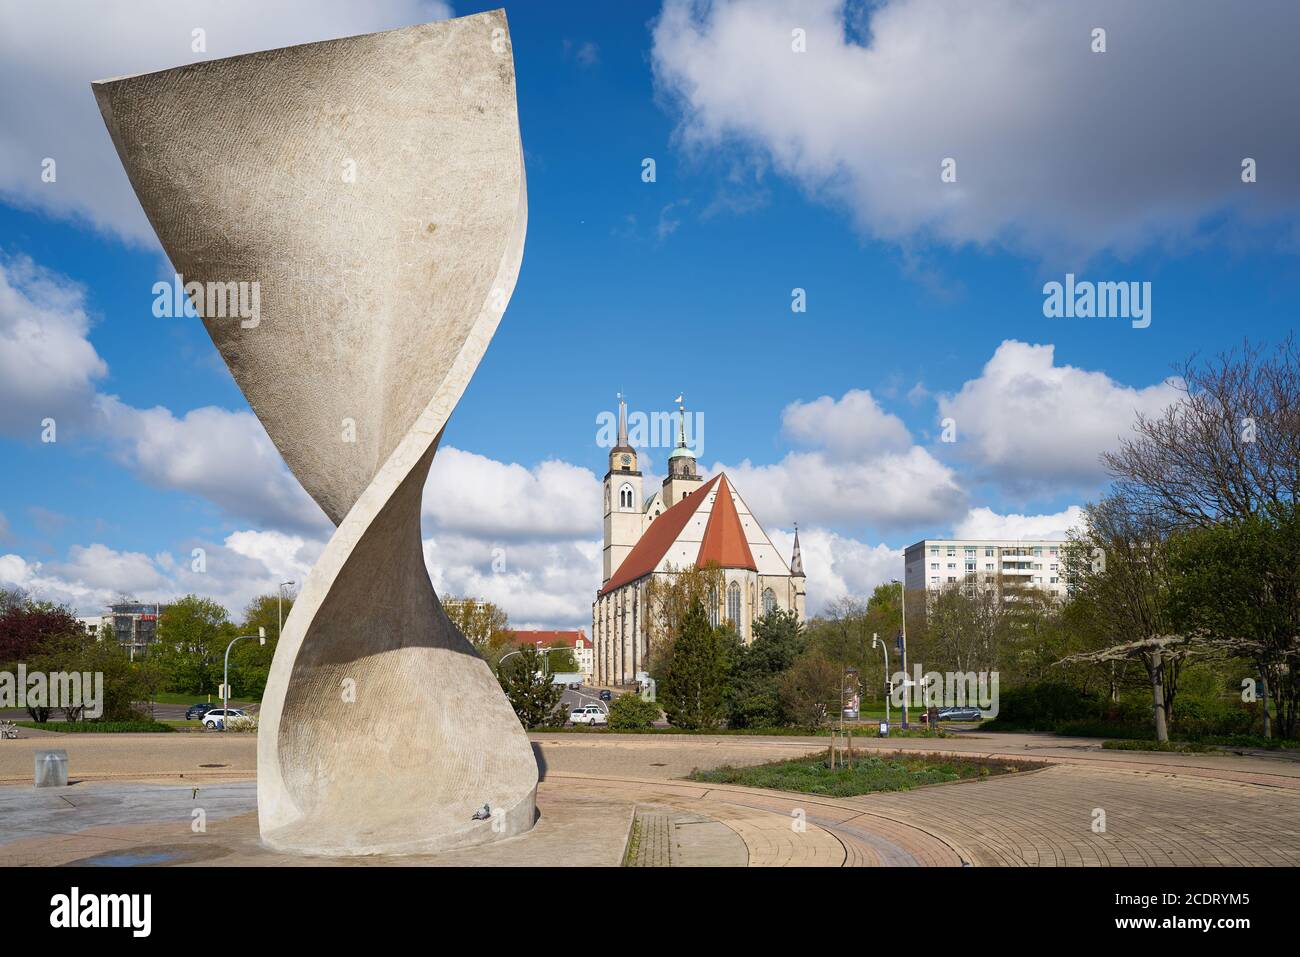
935,563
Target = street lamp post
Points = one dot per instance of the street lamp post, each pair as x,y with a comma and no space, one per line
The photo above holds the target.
889,687
225,684
902,592
280,600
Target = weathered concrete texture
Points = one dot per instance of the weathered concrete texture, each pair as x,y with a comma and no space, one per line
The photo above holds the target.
373,188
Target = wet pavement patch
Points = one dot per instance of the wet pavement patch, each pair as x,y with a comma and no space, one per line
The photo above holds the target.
158,855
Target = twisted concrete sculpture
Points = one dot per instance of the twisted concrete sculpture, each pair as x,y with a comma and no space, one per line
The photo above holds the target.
373,190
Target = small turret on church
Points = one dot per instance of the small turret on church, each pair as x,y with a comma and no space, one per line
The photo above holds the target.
623,504
683,473
797,578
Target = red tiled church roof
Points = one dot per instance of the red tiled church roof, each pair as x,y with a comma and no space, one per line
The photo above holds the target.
724,539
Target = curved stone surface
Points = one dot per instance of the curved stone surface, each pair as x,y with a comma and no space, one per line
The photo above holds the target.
373,188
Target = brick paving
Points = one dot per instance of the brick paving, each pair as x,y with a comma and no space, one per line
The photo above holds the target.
1160,809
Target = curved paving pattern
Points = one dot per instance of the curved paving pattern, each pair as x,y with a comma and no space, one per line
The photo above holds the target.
1160,809
1194,810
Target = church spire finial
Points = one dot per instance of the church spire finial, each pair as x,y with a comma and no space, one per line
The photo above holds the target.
796,559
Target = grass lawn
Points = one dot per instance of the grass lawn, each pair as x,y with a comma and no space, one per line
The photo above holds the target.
871,771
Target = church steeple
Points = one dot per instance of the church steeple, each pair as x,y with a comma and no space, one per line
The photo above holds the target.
796,559
624,509
622,457
683,476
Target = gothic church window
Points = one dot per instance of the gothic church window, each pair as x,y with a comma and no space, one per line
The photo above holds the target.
769,601
713,607
625,497
733,604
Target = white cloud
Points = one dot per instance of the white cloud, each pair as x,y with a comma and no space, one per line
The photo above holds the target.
51,51
838,566
223,456
853,425
1028,422
540,584
100,567
234,571
471,494
887,491
48,367
985,523
1057,147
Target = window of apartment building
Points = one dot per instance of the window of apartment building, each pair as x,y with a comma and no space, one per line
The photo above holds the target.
1055,579
934,549
1053,566
952,578
952,564
970,567
1038,550
988,566
1054,552
934,579
970,550
988,553
1038,579
934,566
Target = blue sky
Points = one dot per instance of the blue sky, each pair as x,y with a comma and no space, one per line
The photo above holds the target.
775,170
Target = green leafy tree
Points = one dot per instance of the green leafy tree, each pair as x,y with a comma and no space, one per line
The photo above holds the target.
630,712
810,690
561,660
1118,569
485,625
191,644
692,676
122,687
1238,582
753,696
669,599
536,701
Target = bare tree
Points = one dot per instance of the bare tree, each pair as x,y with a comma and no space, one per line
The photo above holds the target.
1228,447
1118,571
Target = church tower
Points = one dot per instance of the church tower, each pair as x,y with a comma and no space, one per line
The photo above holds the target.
683,475
623,506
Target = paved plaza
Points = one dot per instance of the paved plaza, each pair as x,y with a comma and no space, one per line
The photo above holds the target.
608,799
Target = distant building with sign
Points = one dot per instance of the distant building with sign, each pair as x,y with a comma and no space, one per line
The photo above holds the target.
135,624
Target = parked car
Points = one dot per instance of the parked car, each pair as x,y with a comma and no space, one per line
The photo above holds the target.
575,686
590,714
960,714
605,695
197,711
850,714
216,718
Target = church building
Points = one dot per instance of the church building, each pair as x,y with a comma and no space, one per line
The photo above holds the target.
687,523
